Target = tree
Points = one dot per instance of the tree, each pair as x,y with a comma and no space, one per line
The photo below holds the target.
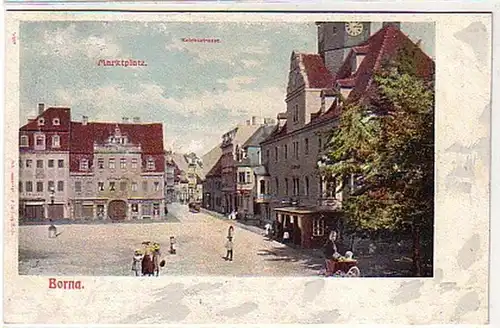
388,141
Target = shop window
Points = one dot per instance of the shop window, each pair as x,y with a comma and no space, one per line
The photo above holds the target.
146,209
318,227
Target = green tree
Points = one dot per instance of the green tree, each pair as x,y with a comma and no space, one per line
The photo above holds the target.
389,143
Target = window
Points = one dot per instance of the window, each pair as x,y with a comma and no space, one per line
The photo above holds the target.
51,186
277,184
24,141
56,121
29,163
267,155
286,186
306,189
123,185
40,142
20,163
134,163
248,178
151,164
320,145
156,209
135,208
297,150
134,186
60,185
78,186
41,121
123,163
275,154
318,227
39,186
157,186
306,146
111,186
100,211
50,163
60,163
100,163
56,141
146,209
100,186
29,186
84,164
241,177
296,113
39,163
144,186
20,186
286,152
111,163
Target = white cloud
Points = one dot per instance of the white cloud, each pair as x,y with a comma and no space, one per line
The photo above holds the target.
237,82
65,42
110,103
250,63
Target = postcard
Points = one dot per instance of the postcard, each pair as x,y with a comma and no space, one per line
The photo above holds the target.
214,168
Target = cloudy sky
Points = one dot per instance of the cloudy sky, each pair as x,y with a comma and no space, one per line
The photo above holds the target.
198,90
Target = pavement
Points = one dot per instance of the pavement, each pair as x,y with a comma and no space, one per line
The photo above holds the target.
107,249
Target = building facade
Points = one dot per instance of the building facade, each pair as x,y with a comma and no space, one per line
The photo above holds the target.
44,145
303,202
212,193
118,172
90,170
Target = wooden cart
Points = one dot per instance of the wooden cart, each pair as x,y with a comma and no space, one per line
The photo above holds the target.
342,268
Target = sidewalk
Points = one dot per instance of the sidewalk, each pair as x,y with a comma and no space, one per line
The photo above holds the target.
318,253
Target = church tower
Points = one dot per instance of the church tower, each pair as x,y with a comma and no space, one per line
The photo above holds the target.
335,40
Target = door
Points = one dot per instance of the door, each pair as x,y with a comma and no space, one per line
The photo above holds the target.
117,210
34,212
55,211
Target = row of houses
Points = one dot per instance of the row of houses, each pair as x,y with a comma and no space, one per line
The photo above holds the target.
96,170
272,172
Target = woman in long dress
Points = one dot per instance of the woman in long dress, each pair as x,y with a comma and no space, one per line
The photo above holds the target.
148,267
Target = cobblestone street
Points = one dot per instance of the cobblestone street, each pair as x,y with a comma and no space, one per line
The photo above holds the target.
107,249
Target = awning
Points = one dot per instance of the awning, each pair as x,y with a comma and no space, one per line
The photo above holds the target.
34,203
305,210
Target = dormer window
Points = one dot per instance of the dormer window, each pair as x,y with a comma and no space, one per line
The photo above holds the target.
41,121
150,166
24,142
39,142
84,164
56,141
56,121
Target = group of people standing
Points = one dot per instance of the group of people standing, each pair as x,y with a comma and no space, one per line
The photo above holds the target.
146,262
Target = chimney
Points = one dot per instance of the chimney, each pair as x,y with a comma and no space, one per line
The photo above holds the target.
41,108
137,119
85,120
281,119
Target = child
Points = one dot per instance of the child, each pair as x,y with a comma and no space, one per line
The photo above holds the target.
156,258
172,245
229,248
136,262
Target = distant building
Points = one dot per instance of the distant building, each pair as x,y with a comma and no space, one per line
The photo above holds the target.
250,189
185,174
303,202
212,193
90,170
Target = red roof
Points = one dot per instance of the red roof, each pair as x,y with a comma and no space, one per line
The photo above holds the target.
49,115
380,47
148,136
318,76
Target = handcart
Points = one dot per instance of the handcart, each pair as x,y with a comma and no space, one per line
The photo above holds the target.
342,268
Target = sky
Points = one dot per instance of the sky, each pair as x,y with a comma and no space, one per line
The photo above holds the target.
198,91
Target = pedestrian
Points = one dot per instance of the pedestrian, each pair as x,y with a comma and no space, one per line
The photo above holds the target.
147,264
268,228
286,237
172,245
136,262
229,248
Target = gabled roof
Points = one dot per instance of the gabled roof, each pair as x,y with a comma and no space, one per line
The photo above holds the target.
211,158
216,170
318,76
277,132
260,135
